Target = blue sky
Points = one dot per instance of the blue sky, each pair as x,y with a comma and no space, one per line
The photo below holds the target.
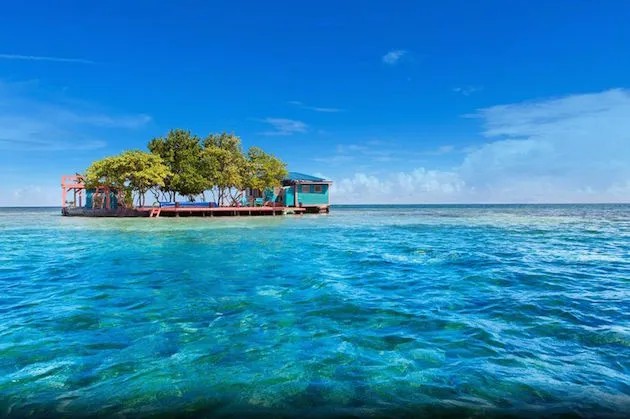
401,102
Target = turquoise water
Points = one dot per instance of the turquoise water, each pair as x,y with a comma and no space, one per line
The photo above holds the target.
383,311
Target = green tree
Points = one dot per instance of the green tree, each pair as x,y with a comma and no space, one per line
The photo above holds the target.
224,166
182,153
180,164
129,172
263,170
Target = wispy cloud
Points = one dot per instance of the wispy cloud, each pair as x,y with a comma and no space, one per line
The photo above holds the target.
560,149
44,193
467,90
108,121
393,57
441,150
567,149
284,126
314,108
30,123
43,58
43,145
372,153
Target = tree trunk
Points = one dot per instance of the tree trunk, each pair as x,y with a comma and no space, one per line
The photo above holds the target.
236,196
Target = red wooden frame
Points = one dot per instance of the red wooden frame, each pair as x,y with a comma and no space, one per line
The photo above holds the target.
74,184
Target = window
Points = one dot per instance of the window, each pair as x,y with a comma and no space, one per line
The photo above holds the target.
318,189
306,188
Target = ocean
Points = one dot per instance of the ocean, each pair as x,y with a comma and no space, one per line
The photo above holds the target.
373,311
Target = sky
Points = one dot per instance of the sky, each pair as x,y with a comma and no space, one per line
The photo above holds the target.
395,102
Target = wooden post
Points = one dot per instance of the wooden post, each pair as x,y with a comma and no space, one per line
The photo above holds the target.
108,204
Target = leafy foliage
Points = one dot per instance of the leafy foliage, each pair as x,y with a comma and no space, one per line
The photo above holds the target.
225,164
129,172
181,163
181,152
263,170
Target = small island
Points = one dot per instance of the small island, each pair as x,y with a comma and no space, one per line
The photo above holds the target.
190,176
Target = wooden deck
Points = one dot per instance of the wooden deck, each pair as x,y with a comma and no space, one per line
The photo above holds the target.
172,211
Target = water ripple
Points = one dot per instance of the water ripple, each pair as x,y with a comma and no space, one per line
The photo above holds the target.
423,311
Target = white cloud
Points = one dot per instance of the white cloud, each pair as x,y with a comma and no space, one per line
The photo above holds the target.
393,57
284,126
32,194
109,121
467,90
40,58
366,154
569,149
28,122
445,149
360,188
419,185
441,150
376,152
314,108
431,181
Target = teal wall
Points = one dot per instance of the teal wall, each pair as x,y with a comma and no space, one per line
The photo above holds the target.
288,196
307,198
269,195
88,199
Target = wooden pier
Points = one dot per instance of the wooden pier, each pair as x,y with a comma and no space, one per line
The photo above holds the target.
173,211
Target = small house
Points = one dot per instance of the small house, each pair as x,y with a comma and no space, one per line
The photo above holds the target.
306,191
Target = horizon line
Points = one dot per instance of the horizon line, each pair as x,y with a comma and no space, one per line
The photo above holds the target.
403,205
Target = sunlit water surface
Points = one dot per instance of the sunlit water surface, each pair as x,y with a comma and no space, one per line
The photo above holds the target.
367,311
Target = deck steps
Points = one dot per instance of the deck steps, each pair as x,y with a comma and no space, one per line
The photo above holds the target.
155,212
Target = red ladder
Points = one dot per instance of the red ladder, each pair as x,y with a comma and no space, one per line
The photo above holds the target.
155,212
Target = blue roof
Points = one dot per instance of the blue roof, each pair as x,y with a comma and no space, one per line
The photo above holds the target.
302,176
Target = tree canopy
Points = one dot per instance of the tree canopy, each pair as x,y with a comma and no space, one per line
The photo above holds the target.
129,172
227,165
182,164
263,170
180,151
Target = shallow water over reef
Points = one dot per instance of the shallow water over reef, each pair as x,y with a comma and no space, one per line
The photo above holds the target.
367,311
